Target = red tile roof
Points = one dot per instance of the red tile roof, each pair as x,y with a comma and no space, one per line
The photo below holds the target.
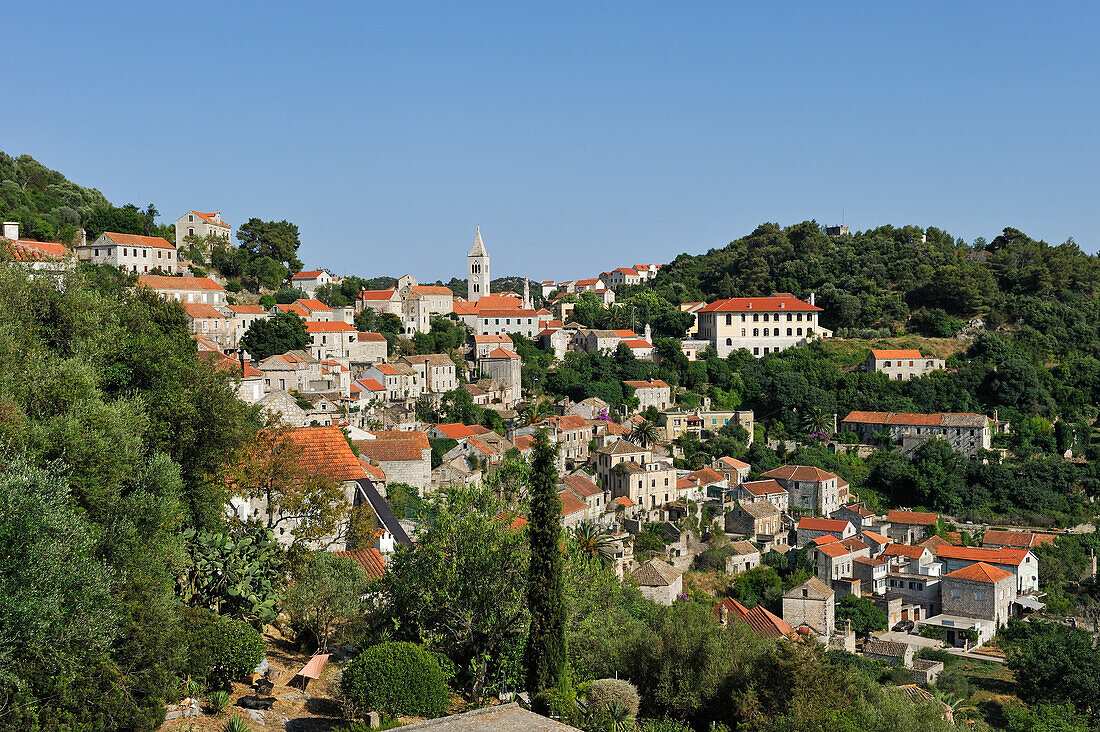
1020,539
820,524
293,308
949,419
524,442
133,240
637,344
910,353
308,274
368,384
394,446
492,339
311,304
329,326
247,309
762,622
325,450
1004,555
570,504
572,422
734,463
980,572
834,549
201,310
160,282
625,501
799,472
826,539
369,559
431,290
654,384
763,487
377,294
457,430
904,550
914,518
581,485
369,336
502,353
706,476
749,304
24,250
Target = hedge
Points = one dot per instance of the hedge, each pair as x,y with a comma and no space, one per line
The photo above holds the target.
395,678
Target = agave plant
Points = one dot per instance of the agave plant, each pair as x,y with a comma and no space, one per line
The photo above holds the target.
237,724
594,542
218,701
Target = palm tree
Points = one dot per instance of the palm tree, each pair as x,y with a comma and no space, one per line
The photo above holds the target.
644,433
536,412
816,420
595,542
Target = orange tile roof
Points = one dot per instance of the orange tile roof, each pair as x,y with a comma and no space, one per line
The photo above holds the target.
904,550
854,544
369,559
877,538
161,282
310,274
799,472
133,240
36,251
915,518
581,485
394,446
763,487
1004,555
431,290
1020,539
247,309
749,304
637,344
859,510
293,308
210,218
625,501
654,384
572,422
570,504
368,384
706,476
456,430
762,622
369,336
820,524
492,339
980,572
734,463
201,310
502,353
826,539
377,294
519,312
911,353
329,326
325,450
950,419
524,442
311,304
834,549
373,471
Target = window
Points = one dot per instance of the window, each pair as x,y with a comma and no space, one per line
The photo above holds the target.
145,252
124,252
190,217
789,317
755,317
742,332
887,364
190,231
742,317
756,351
729,341
755,332
729,319
979,596
799,318
789,332
798,331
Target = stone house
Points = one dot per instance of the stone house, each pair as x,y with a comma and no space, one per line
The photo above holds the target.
893,653
811,488
590,408
618,453
648,485
202,225
308,281
760,325
130,253
811,528
966,433
832,559
997,539
400,380
186,289
976,598
860,517
406,457
653,393
764,490
436,371
331,339
733,470
206,321
1020,563
902,365
282,405
910,559
877,542
316,310
621,276
368,348
573,509
525,321
911,527
585,490
659,581
871,574
504,367
760,521
697,421
812,604
743,556
483,344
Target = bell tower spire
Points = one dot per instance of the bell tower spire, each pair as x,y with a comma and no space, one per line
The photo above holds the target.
477,269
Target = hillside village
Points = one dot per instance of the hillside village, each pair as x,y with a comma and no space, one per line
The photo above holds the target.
393,397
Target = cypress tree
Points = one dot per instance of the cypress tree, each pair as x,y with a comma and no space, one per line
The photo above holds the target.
544,657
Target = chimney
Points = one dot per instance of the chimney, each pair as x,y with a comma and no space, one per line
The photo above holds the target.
812,294
83,237
648,334
11,230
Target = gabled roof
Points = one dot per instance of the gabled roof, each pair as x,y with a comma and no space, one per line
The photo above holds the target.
637,343
656,573
854,544
247,309
370,559
201,310
706,476
733,463
502,353
210,218
939,419
762,622
308,274
891,649
877,538
457,430
162,282
292,308
834,549
760,509
23,250
904,550
325,450
1019,539
133,240
580,485
816,590
570,504
904,353
1004,555
980,572
652,384
625,501
763,487
368,384
492,339
311,304
932,543
371,337
431,290
859,510
799,472
377,294
394,446
329,326
750,304
913,518
820,524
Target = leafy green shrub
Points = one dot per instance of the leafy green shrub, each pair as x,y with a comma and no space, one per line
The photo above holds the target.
233,285
937,654
603,693
649,541
199,628
395,678
218,701
238,650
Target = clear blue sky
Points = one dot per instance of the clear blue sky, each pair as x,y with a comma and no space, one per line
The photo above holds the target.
580,136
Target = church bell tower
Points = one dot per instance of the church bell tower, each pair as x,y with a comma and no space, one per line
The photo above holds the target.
477,269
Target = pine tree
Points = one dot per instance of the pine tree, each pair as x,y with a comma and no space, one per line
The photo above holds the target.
544,656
